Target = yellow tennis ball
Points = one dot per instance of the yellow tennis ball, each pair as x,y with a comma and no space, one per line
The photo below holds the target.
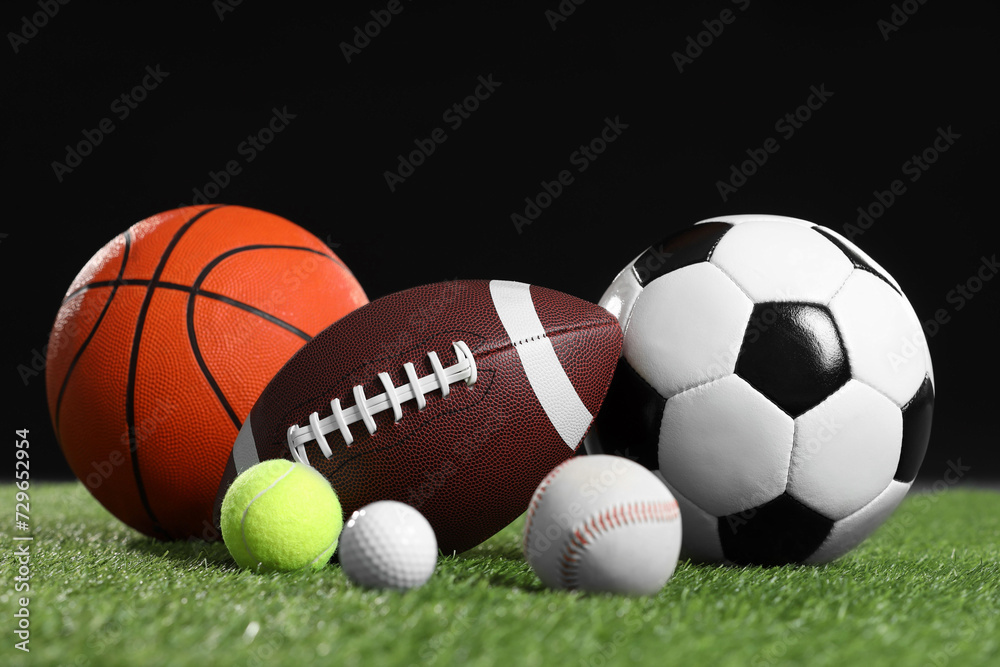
281,516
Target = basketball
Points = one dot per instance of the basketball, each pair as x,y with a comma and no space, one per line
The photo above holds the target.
163,343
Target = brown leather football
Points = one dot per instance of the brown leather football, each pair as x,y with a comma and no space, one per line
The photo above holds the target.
456,398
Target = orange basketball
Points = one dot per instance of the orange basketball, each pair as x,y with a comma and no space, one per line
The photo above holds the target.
163,343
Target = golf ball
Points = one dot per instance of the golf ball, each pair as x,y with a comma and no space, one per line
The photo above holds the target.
388,544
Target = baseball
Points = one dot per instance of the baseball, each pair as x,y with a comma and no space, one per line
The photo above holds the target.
603,524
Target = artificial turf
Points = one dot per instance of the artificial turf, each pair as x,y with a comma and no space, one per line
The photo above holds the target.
924,590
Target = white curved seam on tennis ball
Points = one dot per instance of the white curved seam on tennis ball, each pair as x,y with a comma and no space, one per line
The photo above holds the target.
243,519
320,554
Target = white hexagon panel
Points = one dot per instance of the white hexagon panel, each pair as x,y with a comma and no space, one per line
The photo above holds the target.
845,451
773,260
686,328
732,444
883,336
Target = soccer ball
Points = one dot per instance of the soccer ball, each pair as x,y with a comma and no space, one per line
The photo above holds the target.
777,380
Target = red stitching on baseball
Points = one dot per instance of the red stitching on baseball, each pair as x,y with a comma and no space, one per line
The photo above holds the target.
625,515
536,499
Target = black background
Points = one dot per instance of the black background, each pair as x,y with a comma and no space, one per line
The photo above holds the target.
452,218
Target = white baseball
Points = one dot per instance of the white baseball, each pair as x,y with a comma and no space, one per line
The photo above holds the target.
603,524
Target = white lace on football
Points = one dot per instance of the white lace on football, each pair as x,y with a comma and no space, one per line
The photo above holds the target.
392,399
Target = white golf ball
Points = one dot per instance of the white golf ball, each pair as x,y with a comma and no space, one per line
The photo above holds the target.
388,544
603,524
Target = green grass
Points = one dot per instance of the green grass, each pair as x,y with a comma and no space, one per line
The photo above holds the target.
924,590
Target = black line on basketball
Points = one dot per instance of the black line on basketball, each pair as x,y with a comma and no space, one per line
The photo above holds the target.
107,304
259,246
134,362
288,326
245,306
130,282
193,338
145,282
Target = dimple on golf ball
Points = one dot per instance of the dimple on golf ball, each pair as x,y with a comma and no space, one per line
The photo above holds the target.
388,544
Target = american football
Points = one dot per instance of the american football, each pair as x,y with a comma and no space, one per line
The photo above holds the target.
456,398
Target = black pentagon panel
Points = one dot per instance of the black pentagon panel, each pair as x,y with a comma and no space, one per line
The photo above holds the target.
629,421
688,246
793,354
779,532
857,260
917,416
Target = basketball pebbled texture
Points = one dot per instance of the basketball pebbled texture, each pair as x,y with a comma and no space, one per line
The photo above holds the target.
162,344
468,462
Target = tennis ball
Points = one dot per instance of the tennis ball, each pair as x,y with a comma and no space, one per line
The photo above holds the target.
281,516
